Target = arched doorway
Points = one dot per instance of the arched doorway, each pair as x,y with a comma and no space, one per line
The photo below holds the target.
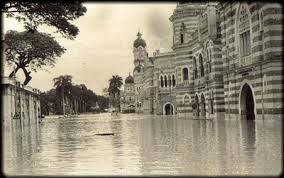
202,106
169,109
196,105
247,103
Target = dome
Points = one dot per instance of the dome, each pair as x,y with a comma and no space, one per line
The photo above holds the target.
129,79
139,41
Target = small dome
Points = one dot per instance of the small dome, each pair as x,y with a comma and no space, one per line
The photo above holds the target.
129,79
139,41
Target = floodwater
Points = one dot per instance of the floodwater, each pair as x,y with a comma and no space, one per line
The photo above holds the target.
143,145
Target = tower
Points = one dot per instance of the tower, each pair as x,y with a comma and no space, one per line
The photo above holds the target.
185,21
127,101
140,57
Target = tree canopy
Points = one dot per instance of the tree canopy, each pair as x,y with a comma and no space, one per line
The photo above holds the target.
115,84
31,51
56,14
63,82
76,98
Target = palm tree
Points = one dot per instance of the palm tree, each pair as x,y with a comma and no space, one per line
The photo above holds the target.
115,84
63,85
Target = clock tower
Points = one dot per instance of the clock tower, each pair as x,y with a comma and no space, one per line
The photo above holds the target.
140,57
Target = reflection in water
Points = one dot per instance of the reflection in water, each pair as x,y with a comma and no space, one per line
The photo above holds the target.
248,141
143,145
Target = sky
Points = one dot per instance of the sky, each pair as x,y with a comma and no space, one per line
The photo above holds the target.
105,42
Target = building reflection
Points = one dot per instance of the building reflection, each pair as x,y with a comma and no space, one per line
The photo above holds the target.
19,144
248,144
221,145
125,145
143,145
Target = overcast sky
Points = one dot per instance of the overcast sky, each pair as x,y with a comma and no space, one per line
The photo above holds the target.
104,45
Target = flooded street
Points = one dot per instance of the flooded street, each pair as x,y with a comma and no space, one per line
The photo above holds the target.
143,145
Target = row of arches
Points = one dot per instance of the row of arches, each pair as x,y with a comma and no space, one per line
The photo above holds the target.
242,33
170,80
246,104
198,71
167,81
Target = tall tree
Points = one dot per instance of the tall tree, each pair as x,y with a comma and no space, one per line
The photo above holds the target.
30,51
33,14
56,14
77,98
115,84
63,85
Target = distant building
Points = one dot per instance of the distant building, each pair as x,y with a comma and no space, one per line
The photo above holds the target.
127,100
226,59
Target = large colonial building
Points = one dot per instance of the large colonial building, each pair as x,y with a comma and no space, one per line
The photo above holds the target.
226,59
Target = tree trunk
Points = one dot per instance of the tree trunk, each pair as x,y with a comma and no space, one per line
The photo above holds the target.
27,75
14,72
63,103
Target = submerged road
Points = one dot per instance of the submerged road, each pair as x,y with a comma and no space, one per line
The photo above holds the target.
131,144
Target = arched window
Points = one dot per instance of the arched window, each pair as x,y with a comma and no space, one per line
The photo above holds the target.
162,82
186,99
211,102
209,56
182,33
181,38
170,80
174,80
244,30
185,73
195,71
261,25
261,21
165,79
201,65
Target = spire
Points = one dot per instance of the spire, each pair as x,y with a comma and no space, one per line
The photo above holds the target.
139,41
139,34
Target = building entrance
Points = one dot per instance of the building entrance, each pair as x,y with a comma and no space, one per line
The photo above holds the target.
247,103
203,106
196,106
169,109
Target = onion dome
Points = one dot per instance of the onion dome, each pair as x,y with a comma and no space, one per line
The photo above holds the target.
139,41
129,79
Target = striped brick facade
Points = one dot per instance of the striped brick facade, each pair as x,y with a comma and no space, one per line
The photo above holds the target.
225,60
262,69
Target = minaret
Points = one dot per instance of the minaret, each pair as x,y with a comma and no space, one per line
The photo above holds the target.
140,56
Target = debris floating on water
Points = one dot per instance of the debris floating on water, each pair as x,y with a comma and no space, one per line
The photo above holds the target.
104,134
